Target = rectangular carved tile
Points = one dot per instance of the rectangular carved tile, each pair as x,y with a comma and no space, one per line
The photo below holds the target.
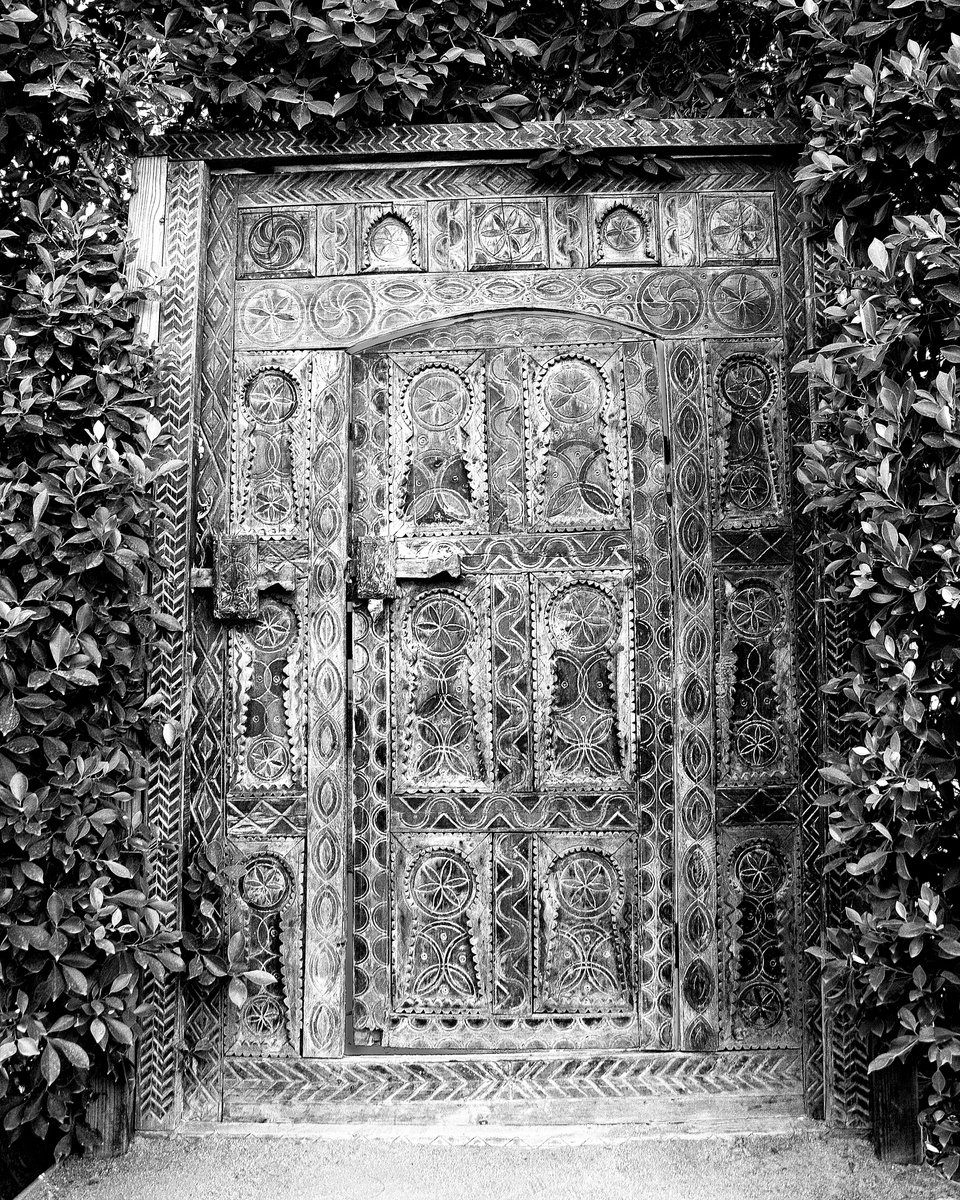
759,873
583,679
266,909
276,242
623,230
506,234
739,227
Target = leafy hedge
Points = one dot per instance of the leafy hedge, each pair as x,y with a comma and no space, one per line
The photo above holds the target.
884,113
877,86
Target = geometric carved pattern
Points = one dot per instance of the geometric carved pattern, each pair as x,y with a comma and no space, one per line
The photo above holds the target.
323,978
276,242
180,310
514,711
266,910
757,868
694,665
516,891
605,134
293,1090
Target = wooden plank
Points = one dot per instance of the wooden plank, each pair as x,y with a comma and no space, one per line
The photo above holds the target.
894,1108
146,226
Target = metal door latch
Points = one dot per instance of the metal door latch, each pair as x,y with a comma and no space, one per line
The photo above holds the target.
238,577
381,562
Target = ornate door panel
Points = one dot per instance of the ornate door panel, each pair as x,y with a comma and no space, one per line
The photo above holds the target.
496,705
524,657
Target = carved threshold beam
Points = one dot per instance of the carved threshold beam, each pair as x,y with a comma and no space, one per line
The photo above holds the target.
699,134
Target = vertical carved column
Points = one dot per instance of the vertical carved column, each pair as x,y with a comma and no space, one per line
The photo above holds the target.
798,324
160,1092
371,933
653,639
695,838
204,1015
323,990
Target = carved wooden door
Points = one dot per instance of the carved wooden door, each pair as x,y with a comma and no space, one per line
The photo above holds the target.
497,472
518,529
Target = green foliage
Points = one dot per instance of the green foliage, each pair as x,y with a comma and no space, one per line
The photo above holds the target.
261,62
78,457
883,88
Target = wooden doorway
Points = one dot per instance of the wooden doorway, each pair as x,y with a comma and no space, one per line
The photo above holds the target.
510,460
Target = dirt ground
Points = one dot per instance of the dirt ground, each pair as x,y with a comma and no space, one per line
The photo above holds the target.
810,1166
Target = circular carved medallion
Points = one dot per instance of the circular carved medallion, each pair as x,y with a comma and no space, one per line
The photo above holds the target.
670,301
572,390
755,609
623,231
441,884
760,1005
266,883
262,1016
391,241
271,397
438,398
588,883
441,624
738,229
759,868
741,300
268,758
272,501
276,241
757,743
746,383
272,314
508,233
583,618
749,487
275,628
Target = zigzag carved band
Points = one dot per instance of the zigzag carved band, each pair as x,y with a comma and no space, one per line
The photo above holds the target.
295,1084
714,133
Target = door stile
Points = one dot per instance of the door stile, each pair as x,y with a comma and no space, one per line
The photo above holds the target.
371,676
653,671
695,807
324,1008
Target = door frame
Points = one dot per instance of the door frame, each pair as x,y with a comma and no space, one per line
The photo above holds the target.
190,180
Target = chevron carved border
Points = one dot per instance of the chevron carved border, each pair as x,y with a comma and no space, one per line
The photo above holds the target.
291,1090
604,134
187,187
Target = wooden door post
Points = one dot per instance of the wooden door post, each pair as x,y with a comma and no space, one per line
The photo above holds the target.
894,1111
